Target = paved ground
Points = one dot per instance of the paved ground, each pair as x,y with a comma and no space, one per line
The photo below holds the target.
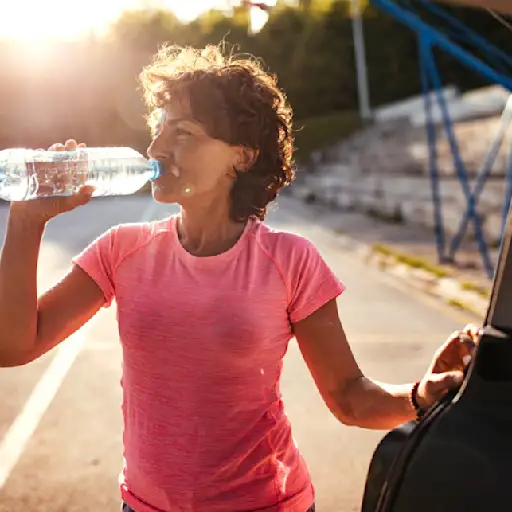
71,460
409,240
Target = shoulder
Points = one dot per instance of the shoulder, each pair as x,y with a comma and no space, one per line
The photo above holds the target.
283,244
292,253
123,240
309,281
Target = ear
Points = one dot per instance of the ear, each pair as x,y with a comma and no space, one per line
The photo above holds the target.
246,158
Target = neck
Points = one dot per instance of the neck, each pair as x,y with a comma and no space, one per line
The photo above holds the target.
208,231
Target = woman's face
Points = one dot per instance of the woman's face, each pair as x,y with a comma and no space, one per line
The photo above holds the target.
195,166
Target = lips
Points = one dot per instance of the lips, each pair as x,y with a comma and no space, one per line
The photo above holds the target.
170,170
168,178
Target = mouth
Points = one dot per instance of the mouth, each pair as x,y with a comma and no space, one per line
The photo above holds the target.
169,171
168,178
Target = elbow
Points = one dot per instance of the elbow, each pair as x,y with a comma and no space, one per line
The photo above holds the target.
13,358
345,405
11,363
345,417
342,409
16,350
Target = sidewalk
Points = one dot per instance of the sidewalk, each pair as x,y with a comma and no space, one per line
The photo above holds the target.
409,253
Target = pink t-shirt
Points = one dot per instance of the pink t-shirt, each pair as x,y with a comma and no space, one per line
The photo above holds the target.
203,344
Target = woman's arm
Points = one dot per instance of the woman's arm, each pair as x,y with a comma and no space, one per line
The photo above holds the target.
355,399
351,397
30,326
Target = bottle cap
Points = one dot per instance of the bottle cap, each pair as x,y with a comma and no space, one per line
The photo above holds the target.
157,168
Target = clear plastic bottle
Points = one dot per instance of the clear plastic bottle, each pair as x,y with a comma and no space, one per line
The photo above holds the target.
28,174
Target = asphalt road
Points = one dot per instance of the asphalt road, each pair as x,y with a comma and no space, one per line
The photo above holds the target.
60,417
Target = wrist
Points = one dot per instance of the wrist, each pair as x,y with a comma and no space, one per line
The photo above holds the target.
20,218
417,402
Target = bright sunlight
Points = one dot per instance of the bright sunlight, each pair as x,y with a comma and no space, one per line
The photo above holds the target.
60,19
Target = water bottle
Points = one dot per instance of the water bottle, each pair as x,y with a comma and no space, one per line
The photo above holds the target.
29,174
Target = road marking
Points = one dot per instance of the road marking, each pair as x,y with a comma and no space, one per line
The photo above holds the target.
14,442
22,429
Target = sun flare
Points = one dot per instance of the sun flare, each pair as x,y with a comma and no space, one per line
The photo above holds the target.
30,21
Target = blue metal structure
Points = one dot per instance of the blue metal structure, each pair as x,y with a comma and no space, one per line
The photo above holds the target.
462,43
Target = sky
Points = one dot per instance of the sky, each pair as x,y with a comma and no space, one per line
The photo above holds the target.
63,19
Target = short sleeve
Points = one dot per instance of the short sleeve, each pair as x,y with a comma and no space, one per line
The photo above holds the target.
97,261
311,282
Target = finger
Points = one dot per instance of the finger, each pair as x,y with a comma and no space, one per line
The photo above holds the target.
82,145
462,340
439,384
467,344
451,343
71,145
455,354
473,331
56,147
462,352
83,197
467,348
452,380
86,190
454,336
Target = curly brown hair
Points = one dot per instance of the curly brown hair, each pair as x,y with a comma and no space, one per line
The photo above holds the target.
237,102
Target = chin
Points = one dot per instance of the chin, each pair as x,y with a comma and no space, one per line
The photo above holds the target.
164,195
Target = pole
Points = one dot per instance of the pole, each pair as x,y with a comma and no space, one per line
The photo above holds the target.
360,55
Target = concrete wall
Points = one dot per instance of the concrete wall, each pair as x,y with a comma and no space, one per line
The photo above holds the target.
384,170
402,198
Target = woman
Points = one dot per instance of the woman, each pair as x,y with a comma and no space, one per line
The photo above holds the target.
207,303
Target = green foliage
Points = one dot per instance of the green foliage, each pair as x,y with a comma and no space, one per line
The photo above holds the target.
316,133
88,89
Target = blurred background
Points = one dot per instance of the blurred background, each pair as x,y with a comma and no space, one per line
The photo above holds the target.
70,69
364,195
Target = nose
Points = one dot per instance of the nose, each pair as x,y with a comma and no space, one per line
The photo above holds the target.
159,149
151,150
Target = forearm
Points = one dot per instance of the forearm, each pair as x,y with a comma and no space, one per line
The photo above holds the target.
375,405
18,286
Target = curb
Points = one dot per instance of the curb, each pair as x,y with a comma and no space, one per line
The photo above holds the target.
449,289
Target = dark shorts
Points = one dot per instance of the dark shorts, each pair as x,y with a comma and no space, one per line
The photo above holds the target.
126,508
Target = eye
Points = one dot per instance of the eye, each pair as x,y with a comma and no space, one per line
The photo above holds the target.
182,132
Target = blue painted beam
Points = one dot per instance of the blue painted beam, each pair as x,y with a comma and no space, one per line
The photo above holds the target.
430,37
437,38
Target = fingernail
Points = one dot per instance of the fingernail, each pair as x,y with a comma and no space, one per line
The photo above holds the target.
466,359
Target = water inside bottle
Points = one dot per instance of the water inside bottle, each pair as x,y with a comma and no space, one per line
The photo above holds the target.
46,174
111,171
58,175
